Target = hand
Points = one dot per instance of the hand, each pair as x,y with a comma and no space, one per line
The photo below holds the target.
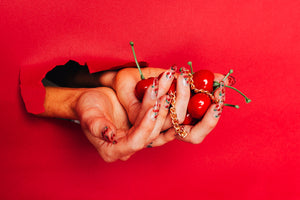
105,123
124,84
197,133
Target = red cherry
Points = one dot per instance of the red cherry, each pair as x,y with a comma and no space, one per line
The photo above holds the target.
141,87
204,79
188,120
198,105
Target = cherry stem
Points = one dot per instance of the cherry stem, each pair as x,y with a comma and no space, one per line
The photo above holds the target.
230,72
137,63
246,98
190,64
231,105
217,84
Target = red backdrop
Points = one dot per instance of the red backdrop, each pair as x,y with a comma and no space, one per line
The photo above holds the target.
253,153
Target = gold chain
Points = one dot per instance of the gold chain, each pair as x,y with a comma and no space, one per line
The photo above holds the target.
180,129
193,87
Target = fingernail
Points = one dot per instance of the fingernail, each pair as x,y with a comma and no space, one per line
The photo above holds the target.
231,80
221,96
170,74
185,74
167,102
154,87
112,135
155,111
104,134
174,68
107,134
218,110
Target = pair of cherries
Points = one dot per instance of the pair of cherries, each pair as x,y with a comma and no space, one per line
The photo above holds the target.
199,102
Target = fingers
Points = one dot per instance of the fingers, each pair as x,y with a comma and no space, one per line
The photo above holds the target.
137,136
209,121
163,112
182,98
163,138
229,81
150,98
132,140
143,132
166,81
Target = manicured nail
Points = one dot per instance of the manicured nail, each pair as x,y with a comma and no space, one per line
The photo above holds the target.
231,80
174,68
107,134
155,111
154,86
221,96
104,134
167,102
185,74
112,135
170,74
218,110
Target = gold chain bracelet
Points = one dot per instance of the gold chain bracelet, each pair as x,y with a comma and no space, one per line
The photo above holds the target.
180,129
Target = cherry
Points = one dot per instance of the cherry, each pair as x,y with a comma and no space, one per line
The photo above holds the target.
189,120
204,79
198,105
142,86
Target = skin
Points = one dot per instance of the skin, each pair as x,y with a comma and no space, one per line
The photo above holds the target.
124,84
116,123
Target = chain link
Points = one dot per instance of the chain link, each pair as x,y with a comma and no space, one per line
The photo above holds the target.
180,129
193,87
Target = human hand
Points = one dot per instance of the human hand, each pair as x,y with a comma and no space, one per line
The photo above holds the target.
125,84
105,123
197,133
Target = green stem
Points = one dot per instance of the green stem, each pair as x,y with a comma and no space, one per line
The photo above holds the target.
190,64
230,72
137,64
217,84
246,98
231,105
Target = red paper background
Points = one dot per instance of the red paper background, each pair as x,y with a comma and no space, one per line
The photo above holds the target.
253,153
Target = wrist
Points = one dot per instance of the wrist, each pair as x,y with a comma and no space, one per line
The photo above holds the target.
60,102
